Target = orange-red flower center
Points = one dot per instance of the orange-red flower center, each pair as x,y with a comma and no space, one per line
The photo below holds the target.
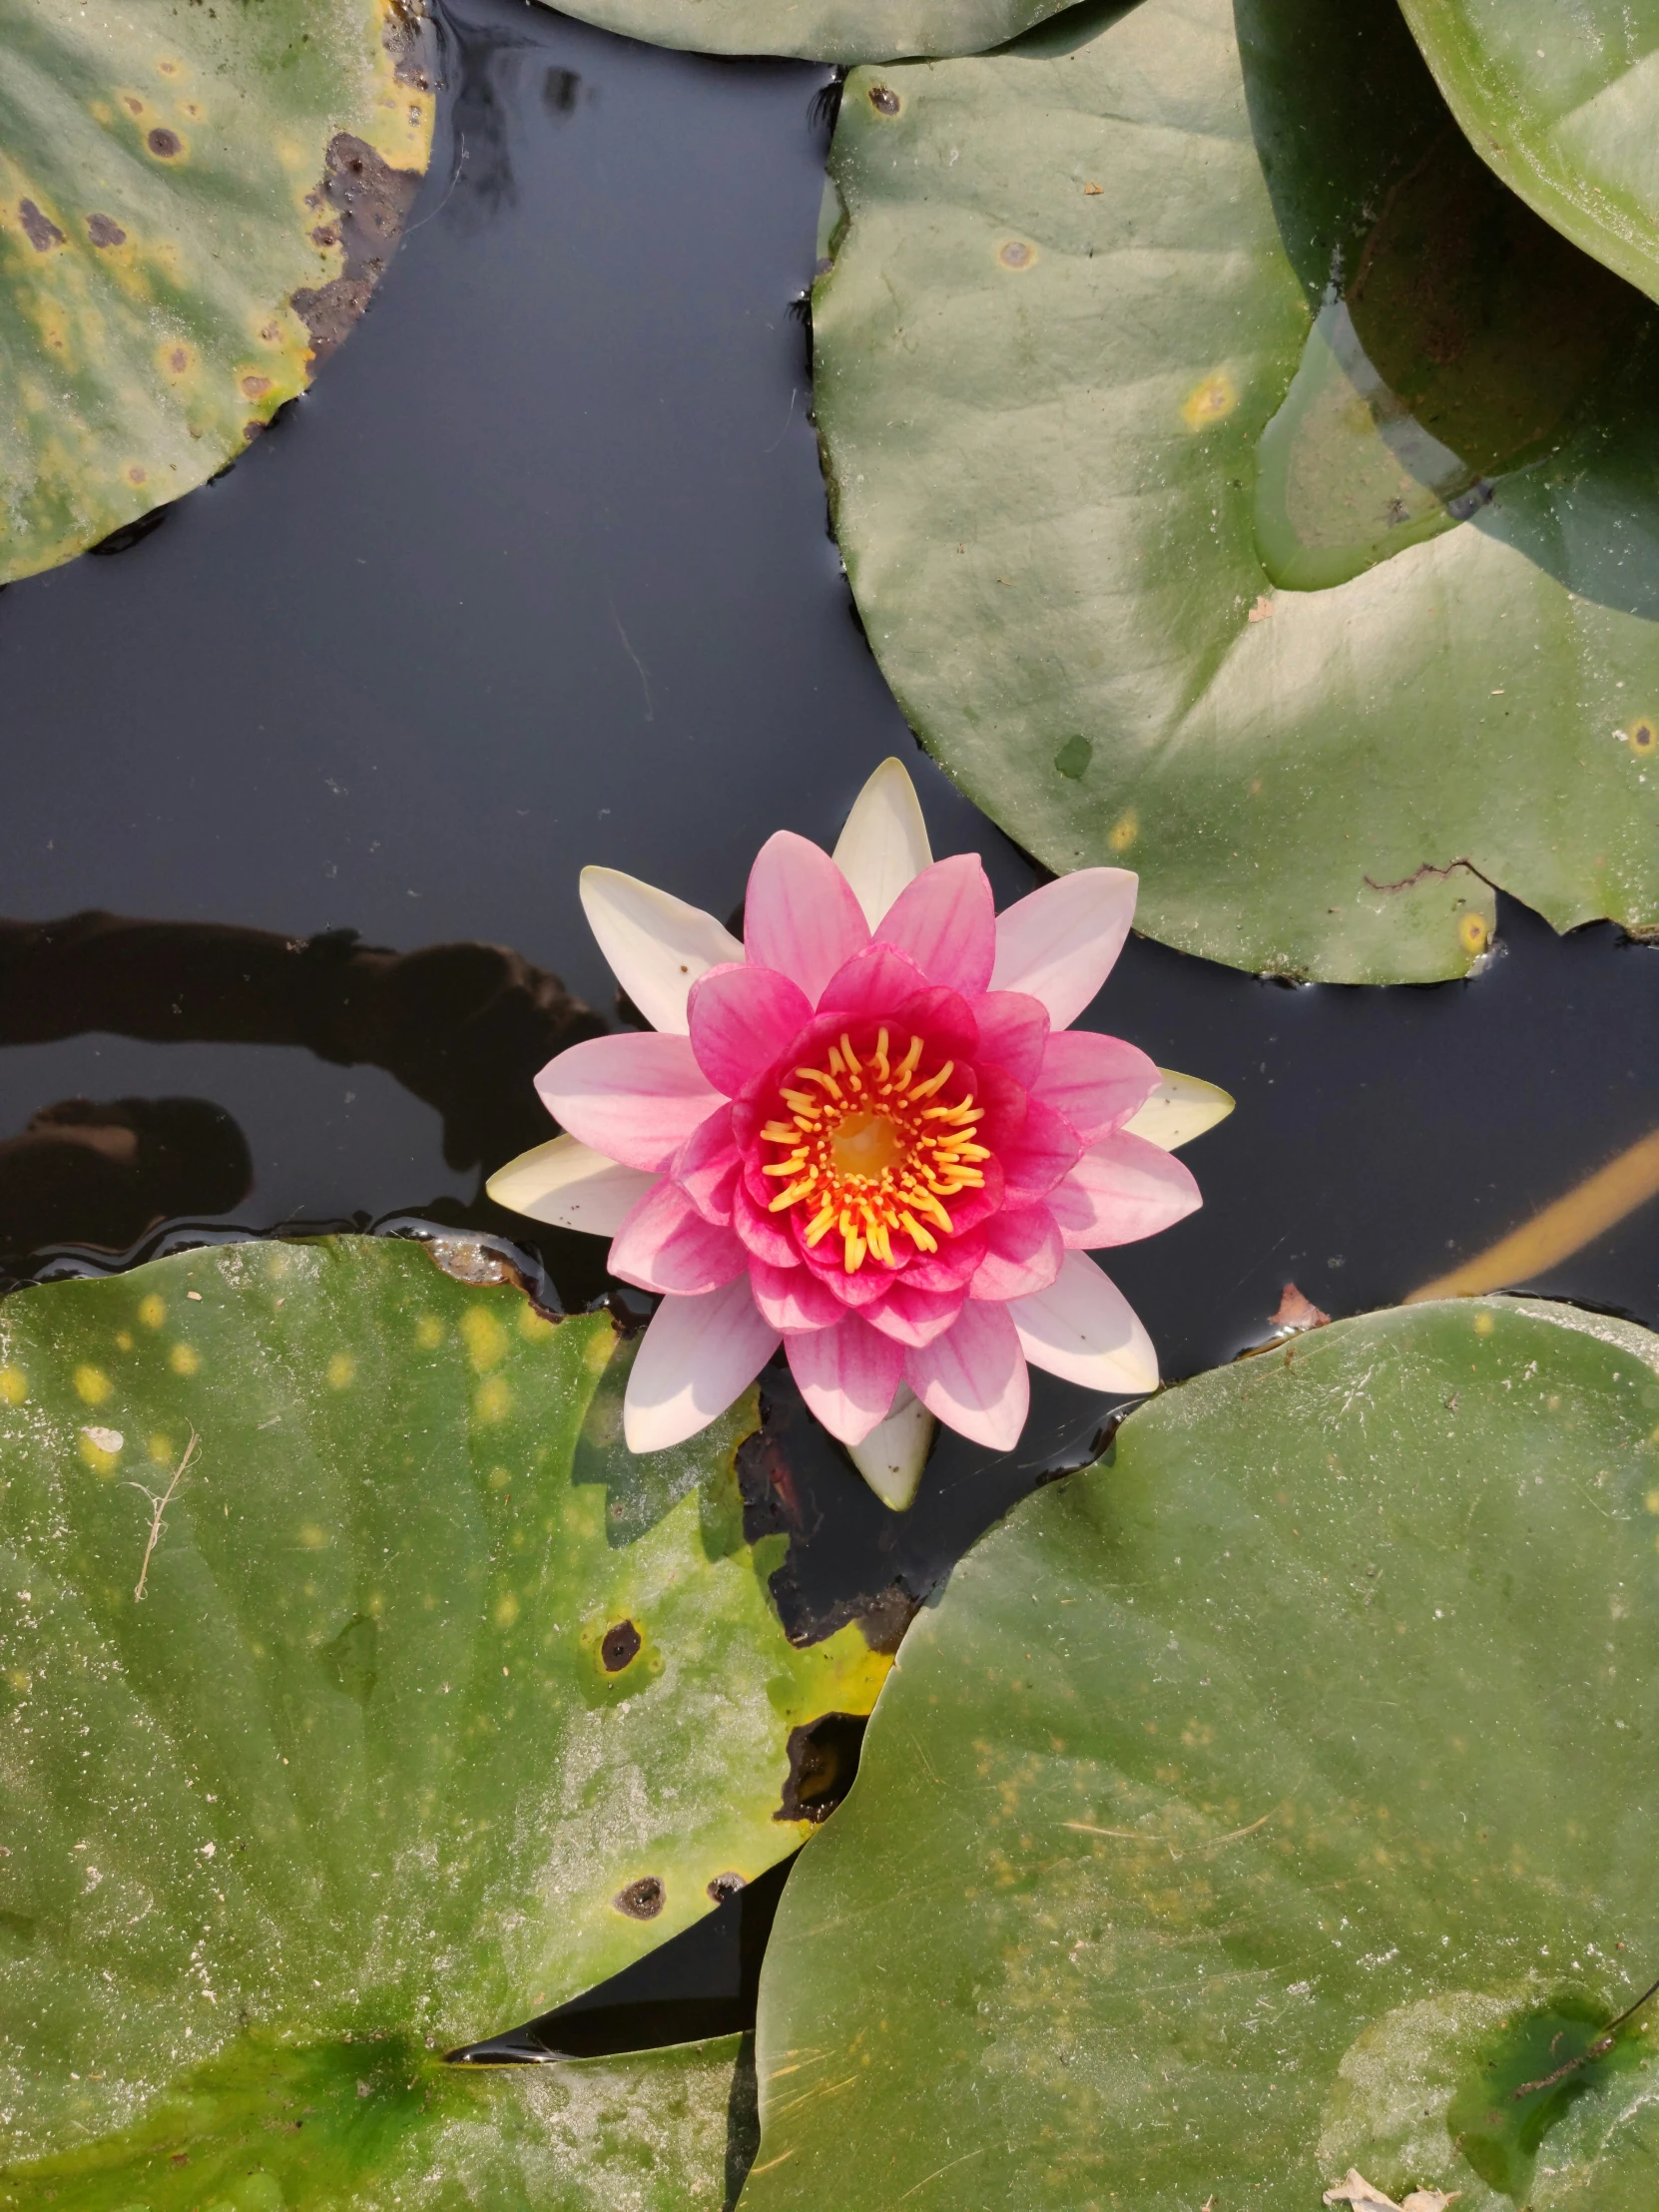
873,1149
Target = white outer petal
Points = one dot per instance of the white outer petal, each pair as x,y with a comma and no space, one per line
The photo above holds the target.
1085,1330
884,845
702,1351
571,1186
892,1455
1181,1108
657,945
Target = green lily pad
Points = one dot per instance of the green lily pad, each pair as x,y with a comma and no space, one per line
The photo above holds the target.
377,2124
408,1724
1237,484
820,30
194,209
1274,1799
1565,107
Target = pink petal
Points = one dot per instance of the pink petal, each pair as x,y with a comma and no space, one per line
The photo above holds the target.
1097,1082
742,1019
826,1259
800,917
946,921
973,1378
1043,1148
1122,1188
1060,942
666,1245
1084,1330
911,1317
1013,1031
637,1098
698,1355
794,1300
953,1266
872,982
848,1376
706,1166
1024,1255
767,1235
943,1017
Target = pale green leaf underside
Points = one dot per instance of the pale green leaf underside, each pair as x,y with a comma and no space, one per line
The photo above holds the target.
1239,1790
362,1758
1065,307
170,182
1564,104
820,30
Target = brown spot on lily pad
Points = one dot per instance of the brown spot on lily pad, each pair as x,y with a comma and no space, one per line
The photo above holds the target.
885,100
1017,255
370,201
824,1758
726,1886
39,230
134,475
619,1645
641,1899
102,231
256,387
166,145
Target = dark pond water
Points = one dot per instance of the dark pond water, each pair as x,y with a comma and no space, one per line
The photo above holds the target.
539,575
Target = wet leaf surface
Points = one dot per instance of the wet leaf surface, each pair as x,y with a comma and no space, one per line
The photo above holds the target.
1271,1801
820,30
374,1718
194,211
1564,107
1164,308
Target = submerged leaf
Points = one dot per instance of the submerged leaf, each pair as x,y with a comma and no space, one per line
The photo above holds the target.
194,209
435,1708
1240,485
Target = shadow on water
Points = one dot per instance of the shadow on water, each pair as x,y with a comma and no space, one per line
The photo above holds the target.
538,576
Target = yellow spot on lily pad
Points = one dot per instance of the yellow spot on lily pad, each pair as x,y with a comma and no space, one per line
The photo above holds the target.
92,1384
494,1400
184,1360
96,1449
1124,832
499,1479
343,1370
1213,401
14,1385
428,1332
314,1538
160,1449
506,1610
151,1310
123,1339
1644,735
486,1339
1653,1501
1471,933
533,1326
1483,1324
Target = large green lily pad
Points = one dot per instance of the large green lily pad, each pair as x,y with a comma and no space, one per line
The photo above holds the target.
820,30
376,2125
195,203
1271,1801
423,1722
1238,484
1564,104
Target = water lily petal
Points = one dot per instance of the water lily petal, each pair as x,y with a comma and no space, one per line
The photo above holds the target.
892,1455
872,982
1179,1109
1014,1033
767,1235
848,1376
657,945
666,1245
708,1164
1084,1330
914,1316
1096,1083
570,1185
742,1019
1061,941
1043,1149
946,921
800,916
698,1355
1121,1189
1024,1255
884,845
794,1300
973,1378
636,1097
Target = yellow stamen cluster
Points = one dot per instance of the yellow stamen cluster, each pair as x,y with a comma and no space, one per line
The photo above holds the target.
871,1150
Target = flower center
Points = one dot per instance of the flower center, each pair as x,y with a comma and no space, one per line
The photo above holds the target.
872,1148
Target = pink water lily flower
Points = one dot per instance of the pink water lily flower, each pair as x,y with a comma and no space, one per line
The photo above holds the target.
869,1133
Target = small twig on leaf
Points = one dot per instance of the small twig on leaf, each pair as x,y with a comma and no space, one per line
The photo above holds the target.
158,1506
1598,2049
